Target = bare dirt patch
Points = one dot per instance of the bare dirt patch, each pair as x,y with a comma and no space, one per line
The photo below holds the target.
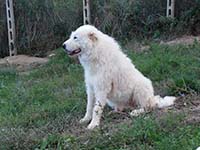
136,46
22,62
185,40
189,105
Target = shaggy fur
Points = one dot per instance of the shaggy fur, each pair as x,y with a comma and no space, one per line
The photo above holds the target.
110,76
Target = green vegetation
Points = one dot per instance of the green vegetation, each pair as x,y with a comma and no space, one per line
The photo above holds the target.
177,66
43,25
41,109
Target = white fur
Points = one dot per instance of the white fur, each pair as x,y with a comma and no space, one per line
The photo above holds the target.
110,76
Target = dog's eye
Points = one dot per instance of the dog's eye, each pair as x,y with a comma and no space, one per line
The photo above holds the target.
75,37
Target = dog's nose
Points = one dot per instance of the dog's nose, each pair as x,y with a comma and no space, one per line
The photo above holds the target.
64,46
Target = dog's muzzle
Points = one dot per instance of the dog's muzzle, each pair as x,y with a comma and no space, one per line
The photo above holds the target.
74,52
71,53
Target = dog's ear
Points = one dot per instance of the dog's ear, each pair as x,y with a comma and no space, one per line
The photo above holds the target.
92,36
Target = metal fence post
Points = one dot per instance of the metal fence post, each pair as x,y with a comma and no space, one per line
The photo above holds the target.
170,8
86,12
11,27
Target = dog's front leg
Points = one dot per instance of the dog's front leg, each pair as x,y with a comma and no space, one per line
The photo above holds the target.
97,111
90,105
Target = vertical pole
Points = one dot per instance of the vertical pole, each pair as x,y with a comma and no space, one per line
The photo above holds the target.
170,8
11,27
86,12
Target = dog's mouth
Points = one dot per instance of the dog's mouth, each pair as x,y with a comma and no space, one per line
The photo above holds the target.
74,52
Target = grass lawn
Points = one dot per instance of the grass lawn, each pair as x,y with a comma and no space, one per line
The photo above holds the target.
41,108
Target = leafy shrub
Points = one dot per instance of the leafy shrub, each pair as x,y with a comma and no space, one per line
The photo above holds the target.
44,25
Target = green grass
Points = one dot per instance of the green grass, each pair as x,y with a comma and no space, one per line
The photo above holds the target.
178,66
142,133
41,110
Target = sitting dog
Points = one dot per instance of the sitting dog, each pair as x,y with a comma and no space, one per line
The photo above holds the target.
110,76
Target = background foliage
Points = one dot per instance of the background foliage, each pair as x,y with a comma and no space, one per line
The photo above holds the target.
43,25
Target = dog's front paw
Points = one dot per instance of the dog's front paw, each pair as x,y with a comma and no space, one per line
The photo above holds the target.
91,126
134,113
137,112
85,120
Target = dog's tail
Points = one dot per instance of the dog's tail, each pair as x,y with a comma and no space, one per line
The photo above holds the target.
164,102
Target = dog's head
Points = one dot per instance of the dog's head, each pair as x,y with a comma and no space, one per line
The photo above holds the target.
81,40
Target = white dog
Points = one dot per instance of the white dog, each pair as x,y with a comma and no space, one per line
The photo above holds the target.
110,76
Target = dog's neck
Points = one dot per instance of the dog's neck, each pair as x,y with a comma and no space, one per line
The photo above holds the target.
87,61
91,63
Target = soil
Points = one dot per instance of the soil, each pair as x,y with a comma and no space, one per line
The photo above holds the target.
189,105
185,40
22,62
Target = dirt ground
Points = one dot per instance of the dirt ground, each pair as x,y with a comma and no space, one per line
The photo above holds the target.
190,105
185,40
22,62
